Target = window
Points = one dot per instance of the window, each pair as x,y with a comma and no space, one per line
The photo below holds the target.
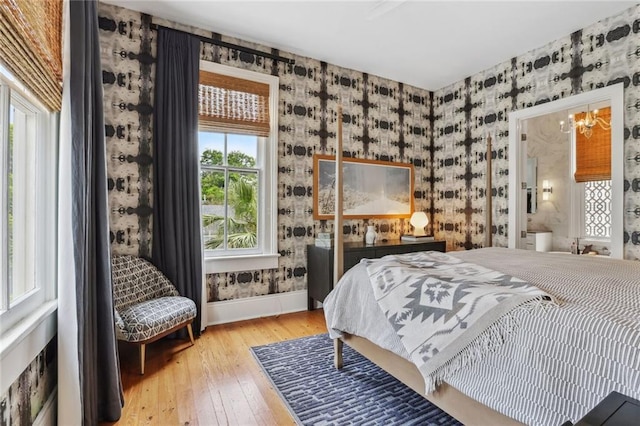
592,200
238,145
591,181
27,185
591,208
597,209
230,182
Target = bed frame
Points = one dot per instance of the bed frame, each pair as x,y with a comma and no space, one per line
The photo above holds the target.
449,399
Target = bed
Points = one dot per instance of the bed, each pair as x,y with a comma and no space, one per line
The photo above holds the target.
556,366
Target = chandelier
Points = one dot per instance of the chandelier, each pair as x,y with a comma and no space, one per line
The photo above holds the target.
586,124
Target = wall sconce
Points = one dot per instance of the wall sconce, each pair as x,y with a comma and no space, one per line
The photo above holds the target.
419,221
546,190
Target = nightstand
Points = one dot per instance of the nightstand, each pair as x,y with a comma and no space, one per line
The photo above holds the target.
320,261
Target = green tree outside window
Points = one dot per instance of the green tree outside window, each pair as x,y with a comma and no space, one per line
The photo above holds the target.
242,200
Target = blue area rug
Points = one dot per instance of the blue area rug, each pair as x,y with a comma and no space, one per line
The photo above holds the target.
360,394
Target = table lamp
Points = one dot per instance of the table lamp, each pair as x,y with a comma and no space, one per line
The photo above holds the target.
419,221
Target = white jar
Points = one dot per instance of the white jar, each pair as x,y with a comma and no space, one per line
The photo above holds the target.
370,236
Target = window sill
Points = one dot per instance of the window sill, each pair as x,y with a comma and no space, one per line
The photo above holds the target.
215,265
24,341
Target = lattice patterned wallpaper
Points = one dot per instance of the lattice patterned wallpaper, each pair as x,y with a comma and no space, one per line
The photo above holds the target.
383,119
466,112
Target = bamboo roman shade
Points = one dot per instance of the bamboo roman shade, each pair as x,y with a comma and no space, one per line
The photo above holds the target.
593,155
31,44
232,104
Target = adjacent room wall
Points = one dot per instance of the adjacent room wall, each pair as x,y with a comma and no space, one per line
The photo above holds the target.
552,148
466,112
383,119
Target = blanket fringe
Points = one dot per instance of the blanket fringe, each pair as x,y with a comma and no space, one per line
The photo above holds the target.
486,342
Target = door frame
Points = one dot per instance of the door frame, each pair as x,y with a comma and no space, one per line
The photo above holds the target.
613,94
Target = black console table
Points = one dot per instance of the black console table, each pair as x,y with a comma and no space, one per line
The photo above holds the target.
320,261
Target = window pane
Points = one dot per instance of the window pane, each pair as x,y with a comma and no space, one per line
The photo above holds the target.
21,203
597,209
242,150
229,223
211,148
213,208
242,211
10,214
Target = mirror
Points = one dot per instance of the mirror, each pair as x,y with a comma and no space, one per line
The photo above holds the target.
532,185
519,165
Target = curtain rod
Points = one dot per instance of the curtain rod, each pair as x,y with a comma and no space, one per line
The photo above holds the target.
230,45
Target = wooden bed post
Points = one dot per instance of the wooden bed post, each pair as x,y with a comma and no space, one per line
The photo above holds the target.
489,216
338,266
337,353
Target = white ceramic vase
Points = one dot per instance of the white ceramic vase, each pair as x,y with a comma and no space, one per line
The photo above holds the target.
370,236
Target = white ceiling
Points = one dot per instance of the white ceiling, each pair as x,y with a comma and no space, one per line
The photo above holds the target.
429,44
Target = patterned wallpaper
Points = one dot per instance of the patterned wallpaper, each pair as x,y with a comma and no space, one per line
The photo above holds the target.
24,400
383,119
466,112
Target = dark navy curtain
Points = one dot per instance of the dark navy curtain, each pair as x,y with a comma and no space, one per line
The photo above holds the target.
176,245
101,395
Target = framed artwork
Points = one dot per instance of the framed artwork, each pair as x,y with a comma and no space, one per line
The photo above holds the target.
371,189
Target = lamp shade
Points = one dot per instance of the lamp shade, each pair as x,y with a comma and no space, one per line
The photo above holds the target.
419,221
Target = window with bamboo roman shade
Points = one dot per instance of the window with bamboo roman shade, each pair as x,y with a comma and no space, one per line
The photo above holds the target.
233,105
593,155
31,44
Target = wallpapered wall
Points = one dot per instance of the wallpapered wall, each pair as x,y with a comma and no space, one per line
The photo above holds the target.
383,119
466,112
26,396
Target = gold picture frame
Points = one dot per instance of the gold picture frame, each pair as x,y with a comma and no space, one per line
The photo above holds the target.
371,189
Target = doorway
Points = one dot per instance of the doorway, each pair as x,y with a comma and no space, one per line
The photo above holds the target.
518,187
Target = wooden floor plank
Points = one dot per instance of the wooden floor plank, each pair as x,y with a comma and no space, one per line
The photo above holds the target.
246,378
278,411
149,391
167,397
215,382
203,401
212,377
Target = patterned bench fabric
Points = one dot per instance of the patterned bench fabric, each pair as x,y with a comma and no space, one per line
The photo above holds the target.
136,280
149,318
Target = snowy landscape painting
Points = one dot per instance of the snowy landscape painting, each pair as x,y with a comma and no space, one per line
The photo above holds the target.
370,188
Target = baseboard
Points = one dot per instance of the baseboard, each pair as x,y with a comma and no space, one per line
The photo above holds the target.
48,414
256,307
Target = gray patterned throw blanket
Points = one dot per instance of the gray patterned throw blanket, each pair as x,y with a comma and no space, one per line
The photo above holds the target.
447,312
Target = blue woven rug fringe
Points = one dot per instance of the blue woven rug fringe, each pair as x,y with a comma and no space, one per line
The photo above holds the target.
361,393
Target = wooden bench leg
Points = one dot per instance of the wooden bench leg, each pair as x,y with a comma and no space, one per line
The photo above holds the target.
142,348
337,353
190,330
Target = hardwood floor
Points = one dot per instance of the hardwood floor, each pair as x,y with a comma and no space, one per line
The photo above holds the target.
215,382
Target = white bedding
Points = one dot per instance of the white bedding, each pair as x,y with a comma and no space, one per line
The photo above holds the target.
561,362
